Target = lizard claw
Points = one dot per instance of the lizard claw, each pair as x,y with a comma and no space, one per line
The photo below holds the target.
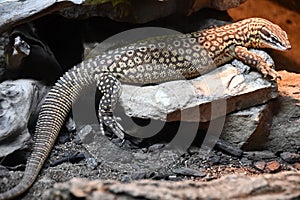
267,70
110,122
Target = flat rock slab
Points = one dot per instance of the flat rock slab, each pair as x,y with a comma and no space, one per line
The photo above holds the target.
226,89
284,185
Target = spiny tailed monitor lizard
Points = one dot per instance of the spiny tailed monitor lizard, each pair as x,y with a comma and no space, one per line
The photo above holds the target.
152,60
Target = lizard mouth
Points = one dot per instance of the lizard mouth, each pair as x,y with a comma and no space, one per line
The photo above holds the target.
281,47
286,46
289,47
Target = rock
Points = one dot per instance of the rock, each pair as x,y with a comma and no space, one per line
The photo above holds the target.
219,5
228,148
155,147
19,142
119,158
297,166
248,129
273,166
19,104
188,172
259,155
214,159
260,165
290,157
246,162
285,131
283,185
86,134
92,163
16,12
4,172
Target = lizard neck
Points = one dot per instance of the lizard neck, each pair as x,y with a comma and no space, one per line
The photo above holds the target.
219,42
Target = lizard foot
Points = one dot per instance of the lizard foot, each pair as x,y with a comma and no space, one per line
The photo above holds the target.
255,61
267,70
110,122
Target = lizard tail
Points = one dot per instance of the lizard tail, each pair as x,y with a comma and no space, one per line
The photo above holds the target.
52,115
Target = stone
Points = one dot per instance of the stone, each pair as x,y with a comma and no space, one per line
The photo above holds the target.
297,166
86,134
260,165
249,129
19,106
290,157
285,132
228,148
273,166
189,172
259,155
15,12
3,40
219,5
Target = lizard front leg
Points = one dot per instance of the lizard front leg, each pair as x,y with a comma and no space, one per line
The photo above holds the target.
110,88
256,61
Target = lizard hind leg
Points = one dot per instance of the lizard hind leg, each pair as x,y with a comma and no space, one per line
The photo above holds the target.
110,88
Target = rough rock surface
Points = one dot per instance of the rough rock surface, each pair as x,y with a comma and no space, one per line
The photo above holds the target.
249,129
3,41
19,100
15,12
285,131
219,5
285,185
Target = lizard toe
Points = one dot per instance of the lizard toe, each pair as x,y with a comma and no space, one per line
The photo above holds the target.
110,122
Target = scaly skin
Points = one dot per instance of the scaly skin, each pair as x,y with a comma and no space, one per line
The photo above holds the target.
149,61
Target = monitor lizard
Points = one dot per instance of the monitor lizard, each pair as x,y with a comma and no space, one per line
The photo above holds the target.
152,60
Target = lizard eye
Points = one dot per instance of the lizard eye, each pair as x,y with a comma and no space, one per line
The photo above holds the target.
265,32
274,38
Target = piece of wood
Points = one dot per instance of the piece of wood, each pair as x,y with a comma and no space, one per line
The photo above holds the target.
283,185
19,104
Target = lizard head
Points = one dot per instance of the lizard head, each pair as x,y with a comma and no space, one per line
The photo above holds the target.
269,35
